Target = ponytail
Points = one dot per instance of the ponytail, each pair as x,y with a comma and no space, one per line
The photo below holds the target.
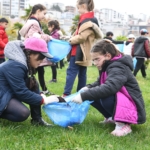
89,3
31,82
35,8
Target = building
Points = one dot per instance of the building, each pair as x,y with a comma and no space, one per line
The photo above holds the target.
70,9
11,8
110,15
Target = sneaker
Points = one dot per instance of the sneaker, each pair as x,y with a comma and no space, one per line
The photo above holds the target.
40,122
46,92
121,129
53,80
107,120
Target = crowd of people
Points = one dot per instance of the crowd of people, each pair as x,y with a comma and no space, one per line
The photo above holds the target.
116,93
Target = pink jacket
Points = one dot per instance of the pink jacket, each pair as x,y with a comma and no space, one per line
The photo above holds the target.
30,27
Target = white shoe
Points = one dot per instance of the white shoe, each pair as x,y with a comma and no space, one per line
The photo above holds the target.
46,92
121,129
107,120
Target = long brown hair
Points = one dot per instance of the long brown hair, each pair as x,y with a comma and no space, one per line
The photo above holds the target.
89,3
35,8
105,46
31,82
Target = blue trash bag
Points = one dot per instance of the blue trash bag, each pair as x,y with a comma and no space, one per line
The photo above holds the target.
67,114
134,62
120,47
59,49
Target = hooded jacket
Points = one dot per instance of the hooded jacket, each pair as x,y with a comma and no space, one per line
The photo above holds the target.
141,47
3,41
13,76
117,79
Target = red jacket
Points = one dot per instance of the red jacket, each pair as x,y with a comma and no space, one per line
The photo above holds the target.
3,41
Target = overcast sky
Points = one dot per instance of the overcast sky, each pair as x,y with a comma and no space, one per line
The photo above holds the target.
129,6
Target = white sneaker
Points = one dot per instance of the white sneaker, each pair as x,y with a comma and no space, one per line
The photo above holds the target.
107,120
121,129
46,92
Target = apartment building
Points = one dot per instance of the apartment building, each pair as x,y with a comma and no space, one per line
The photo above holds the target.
12,8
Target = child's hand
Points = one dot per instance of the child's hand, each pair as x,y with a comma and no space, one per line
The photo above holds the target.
77,99
51,99
84,89
65,38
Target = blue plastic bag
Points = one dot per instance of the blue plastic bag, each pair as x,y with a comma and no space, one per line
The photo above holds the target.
67,114
59,49
120,47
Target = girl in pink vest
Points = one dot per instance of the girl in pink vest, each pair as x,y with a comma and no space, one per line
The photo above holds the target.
116,93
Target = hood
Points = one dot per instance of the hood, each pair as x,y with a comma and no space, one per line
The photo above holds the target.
126,60
116,62
141,39
14,52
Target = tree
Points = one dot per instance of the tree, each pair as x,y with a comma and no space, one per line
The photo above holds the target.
121,38
56,8
75,24
27,13
18,26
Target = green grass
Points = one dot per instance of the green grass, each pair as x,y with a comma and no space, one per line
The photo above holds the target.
90,135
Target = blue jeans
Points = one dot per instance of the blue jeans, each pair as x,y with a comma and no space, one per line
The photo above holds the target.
105,106
72,72
2,60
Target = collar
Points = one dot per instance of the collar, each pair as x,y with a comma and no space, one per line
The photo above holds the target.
32,17
86,15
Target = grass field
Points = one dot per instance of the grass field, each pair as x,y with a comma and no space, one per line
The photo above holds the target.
90,135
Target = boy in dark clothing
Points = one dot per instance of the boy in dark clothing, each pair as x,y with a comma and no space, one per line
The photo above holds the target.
3,38
141,50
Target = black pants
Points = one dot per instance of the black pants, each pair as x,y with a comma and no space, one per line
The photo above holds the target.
105,106
41,78
54,72
15,111
61,64
140,65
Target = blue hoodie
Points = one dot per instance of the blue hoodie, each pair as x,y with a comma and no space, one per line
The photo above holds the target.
13,75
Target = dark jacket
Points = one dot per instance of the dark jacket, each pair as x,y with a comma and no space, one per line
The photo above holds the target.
3,41
13,76
141,47
119,79
114,41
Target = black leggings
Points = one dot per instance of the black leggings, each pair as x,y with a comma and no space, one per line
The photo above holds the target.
15,111
54,72
41,78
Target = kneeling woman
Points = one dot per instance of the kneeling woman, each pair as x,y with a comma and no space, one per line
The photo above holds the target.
18,84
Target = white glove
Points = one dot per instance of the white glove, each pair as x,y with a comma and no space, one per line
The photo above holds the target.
77,99
84,89
50,99
37,35
51,37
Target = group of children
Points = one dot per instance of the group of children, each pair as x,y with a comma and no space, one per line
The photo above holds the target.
116,93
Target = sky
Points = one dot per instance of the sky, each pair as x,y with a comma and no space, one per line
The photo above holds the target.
128,6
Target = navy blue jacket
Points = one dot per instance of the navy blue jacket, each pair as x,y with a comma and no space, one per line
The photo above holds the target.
13,77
